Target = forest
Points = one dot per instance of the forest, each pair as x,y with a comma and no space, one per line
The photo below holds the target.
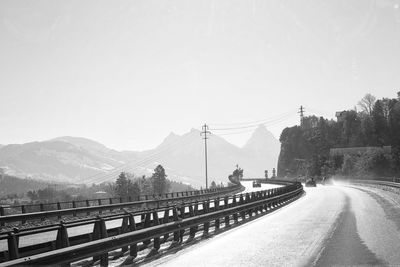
371,129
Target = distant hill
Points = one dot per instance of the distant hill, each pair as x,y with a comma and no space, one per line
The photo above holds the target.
12,185
80,160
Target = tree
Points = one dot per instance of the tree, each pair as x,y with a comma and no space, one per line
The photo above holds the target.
213,185
159,180
121,185
367,103
380,123
146,187
133,188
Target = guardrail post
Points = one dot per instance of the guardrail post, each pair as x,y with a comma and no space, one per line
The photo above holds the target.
206,209
264,206
248,200
99,203
176,219
2,213
166,220
62,240
259,208
193,229
132,227
59,208
234,204
74,207
99,232
242,213
42,209
16,231
181,214
87,205
133,249
147,223
12,246
124,229
216,208
111,202
226,205
156,239
23,211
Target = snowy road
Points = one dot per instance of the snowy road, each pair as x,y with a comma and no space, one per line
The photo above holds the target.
330,225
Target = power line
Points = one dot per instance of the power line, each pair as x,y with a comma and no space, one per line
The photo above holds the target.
278,119
123,167
253,122
143,162
252,129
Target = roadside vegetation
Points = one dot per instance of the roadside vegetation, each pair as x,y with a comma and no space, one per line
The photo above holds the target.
15,191
368,128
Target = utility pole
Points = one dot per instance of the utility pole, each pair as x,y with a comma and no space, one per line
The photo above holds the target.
205,132
301,115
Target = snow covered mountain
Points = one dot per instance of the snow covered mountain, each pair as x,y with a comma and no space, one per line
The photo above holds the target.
81,160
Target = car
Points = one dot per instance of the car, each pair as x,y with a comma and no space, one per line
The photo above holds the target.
256,184
311,183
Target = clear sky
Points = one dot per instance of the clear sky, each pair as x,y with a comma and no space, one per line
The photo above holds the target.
126,73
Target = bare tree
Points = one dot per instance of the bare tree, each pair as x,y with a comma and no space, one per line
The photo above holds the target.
367,103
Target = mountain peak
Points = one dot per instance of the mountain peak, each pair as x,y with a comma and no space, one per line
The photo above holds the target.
171,137
261,137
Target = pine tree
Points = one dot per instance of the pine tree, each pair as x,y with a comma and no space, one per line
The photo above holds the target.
159,180
121,185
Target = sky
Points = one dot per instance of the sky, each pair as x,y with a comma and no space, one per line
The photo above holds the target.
127,73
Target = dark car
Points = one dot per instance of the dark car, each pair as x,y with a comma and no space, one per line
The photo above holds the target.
256,184
311,183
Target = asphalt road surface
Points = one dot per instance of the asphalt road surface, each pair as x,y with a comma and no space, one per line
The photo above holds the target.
331,225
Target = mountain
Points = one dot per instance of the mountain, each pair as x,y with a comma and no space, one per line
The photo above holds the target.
261,151
81,160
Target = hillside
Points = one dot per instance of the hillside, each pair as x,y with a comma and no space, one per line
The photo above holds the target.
305,149
10,185
80,160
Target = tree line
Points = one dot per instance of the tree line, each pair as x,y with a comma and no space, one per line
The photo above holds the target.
376,123
126,184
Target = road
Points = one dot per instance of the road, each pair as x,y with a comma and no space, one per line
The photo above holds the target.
330,225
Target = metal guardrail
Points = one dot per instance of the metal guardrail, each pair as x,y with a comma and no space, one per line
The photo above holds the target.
395,183
48,246
155,203
40,207
250,203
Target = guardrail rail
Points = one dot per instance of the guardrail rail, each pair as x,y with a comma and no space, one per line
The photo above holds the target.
143,204
177,220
